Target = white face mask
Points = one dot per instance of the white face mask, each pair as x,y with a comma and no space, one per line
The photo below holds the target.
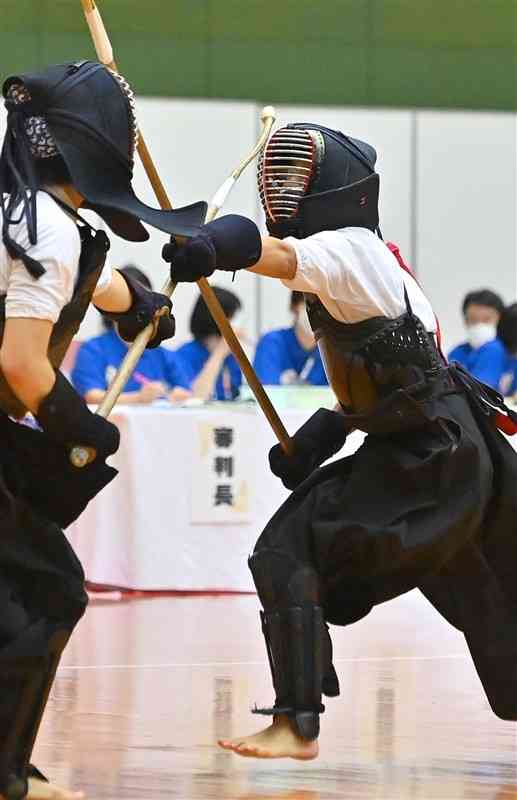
481,333
238,320
303,322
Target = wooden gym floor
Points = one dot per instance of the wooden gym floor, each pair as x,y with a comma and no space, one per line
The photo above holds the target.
148,685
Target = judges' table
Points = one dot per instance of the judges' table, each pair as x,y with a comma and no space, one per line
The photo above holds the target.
193,493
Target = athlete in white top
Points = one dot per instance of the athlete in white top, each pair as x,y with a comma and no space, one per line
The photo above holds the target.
354,274
33,305
369,527
58,249
71,131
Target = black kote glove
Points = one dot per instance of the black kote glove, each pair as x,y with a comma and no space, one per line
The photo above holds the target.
143,308
49,482
319,438
47,479
67,420
229,243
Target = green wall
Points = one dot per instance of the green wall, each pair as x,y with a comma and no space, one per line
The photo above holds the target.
427,53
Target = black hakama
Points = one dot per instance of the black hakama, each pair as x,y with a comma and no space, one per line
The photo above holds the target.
433,508
42,597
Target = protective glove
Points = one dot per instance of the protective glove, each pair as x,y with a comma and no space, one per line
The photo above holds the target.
229,243
322,436
67,420
143,308
48,481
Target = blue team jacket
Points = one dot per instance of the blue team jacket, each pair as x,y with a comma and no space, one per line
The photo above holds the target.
193,356
487,363
280,359
99,358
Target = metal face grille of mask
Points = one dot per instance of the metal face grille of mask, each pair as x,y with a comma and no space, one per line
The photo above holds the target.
285,170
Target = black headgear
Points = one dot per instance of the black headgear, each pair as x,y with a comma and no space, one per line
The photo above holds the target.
313,178
84,113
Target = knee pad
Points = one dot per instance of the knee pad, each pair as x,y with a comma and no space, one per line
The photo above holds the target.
281,580
13,621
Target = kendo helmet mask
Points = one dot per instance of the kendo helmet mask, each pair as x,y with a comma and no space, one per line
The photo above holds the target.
83,113
312,178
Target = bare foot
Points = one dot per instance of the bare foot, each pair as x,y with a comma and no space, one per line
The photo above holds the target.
41,790
279,740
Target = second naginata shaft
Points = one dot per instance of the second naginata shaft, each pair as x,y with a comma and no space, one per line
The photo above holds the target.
105,55
80,455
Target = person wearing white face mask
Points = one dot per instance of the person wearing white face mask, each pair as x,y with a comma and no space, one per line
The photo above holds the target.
290,355
483,354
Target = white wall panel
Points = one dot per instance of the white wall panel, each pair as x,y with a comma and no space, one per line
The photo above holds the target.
390,133
466,209
462,225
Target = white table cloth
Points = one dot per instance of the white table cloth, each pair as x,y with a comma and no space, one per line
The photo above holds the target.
193,494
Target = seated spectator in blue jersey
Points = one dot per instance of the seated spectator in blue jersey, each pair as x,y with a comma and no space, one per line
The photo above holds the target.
158,374
507,333
290,355
212,371
483,354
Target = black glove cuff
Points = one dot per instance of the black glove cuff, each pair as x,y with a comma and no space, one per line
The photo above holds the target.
65,418
326,430
237,241
61,411
322,436
141,310
145,303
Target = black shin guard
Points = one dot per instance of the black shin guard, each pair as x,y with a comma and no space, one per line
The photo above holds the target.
294,643
297,639
29,680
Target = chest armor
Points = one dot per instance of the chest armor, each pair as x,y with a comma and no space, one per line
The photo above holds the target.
94,246
366,362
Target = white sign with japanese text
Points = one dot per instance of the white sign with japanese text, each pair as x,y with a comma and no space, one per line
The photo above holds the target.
221,486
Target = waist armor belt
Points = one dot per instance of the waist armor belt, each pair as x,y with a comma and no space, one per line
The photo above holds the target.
94,246
378,363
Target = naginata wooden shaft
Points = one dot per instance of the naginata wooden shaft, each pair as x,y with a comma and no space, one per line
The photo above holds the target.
137,348
249,373
105,54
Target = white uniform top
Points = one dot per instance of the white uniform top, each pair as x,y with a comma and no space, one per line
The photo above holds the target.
356,277
58,250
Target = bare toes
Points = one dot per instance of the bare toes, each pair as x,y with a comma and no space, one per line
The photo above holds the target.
228,744
248,750
243,750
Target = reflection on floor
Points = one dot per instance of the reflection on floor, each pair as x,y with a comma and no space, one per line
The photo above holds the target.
148,685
